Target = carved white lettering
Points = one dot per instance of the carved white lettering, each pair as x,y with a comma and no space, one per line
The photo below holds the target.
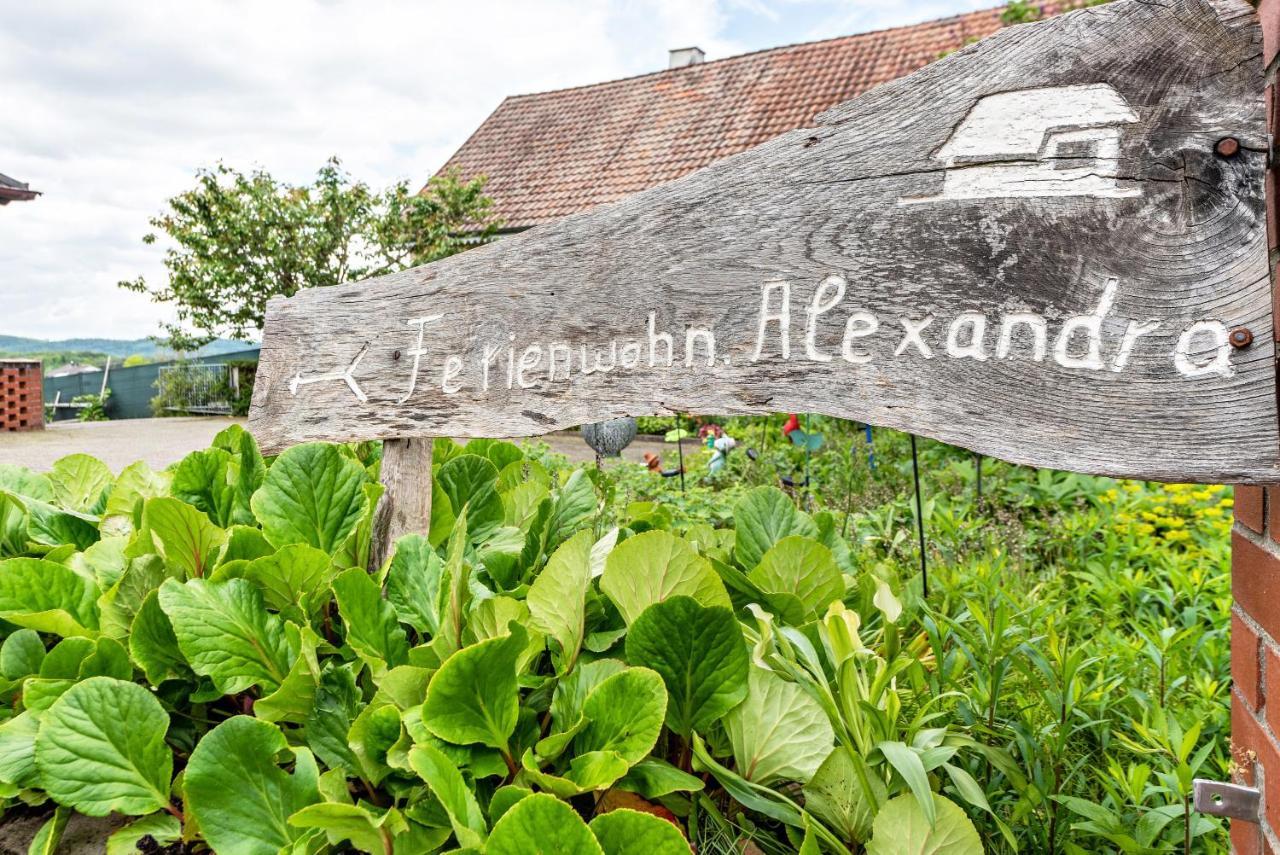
452,368
1091,326
553,353
1132,333
630,356
417,353
818,306
657,338
970,325
529,360
913,338
1220,346
782,317
691,338
859,325
1030,320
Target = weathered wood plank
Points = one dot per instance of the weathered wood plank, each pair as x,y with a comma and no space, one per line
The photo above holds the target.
1030,248
405,506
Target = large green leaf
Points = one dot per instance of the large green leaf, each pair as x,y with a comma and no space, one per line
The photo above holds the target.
226,634
79,481
152,644
630,832
902,828
295,699
541,824
372,629
801,567
312,494
21,655
762,518
624,715
413,583
557,598
238,794
137,483
365,829
54,527
18,749
655,565
842,798
449,787
779,732
474,696
101,749
574,503
184,536
573,688
701,655
294,579
471,481
207,480
24,482
47,597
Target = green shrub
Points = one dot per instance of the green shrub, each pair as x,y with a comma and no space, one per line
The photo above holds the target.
95,407
567,655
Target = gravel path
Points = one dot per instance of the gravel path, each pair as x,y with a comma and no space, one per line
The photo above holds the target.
161,442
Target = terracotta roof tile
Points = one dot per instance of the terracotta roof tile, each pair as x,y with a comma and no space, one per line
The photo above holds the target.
552,154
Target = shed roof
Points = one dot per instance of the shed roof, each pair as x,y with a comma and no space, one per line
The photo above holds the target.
12,190
552,154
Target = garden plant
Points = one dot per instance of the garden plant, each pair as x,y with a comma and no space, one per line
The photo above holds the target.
572,660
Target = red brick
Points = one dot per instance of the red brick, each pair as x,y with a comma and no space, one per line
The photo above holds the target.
1273,510
1246,674
1250,507
1255,582
1269,16
1250,744
1246,838
1271,677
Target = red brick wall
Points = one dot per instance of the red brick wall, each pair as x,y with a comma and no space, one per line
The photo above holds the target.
1255,580
21,396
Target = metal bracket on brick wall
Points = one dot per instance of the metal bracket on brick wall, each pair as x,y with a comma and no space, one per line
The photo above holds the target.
1229,800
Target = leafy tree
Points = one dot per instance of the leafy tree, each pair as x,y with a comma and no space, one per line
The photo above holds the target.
237,239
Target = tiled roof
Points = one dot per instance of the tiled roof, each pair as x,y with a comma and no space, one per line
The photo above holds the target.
556,153
12,190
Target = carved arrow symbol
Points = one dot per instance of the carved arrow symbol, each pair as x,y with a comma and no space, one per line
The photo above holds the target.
347,375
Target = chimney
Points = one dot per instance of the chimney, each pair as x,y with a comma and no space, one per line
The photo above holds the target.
680,57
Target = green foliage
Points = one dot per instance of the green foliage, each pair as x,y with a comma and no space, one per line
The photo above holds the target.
1019,12
331,231
596,662
95,407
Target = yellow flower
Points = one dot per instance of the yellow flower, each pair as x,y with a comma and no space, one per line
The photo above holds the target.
1177,535
1211,513
1181,500
1227,503
1146,529
1130,487
1149,517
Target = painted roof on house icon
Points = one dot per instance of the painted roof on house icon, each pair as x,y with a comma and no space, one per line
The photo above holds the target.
1009,125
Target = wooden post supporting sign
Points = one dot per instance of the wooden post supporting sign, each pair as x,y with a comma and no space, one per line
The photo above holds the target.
1049,247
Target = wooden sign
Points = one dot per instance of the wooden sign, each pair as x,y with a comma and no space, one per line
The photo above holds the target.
1049,247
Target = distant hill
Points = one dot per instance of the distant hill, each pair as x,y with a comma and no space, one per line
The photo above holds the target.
12,345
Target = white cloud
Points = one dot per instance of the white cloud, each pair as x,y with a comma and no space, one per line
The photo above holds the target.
109,108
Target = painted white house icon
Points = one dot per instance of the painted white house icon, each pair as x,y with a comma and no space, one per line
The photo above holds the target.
1061,141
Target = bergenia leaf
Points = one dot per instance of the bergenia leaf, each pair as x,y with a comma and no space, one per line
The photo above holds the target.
541,824
631,832
101,749
312,494
238,793
226,634
654,566
47,597
700,653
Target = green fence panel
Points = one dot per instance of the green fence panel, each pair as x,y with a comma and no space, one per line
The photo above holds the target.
131,388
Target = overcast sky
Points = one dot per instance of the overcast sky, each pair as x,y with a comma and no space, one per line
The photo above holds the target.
109,108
